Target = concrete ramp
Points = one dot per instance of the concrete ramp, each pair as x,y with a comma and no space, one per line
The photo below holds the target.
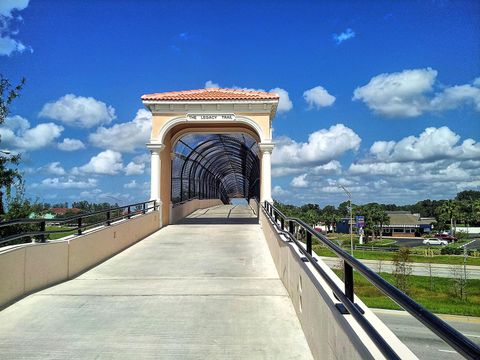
222,214
197,290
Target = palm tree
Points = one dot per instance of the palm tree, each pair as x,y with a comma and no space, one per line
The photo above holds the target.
449,209
383,219
476,211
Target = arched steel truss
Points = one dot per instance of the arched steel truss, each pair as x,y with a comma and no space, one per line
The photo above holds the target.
215,166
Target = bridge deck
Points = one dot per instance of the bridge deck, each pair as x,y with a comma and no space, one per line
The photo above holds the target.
198,290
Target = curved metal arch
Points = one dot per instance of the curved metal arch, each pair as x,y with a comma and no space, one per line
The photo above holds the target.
216,166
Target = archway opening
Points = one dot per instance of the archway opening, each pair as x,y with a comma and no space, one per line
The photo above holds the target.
215,166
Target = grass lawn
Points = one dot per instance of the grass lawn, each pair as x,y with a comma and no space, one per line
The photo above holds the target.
383,255
59,235
440,299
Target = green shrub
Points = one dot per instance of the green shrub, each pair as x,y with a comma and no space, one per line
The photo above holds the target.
451,250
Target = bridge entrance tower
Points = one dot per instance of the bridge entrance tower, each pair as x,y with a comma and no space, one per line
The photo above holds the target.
210,143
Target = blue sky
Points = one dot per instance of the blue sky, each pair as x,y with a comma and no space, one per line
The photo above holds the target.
380,96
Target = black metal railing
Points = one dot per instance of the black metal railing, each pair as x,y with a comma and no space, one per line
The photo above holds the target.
291,228
75,224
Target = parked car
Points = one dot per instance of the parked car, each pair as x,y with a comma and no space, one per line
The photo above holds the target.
435,241
447,237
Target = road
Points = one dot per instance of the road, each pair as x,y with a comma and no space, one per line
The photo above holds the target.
422,341
421,269
414,242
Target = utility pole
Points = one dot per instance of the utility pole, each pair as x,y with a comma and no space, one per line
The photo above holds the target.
349,194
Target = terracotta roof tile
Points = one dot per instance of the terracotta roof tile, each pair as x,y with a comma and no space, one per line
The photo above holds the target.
211,94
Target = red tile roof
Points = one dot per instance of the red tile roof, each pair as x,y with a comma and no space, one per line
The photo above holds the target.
211,94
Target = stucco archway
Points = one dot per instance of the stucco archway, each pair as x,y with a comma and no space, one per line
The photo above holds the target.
207,111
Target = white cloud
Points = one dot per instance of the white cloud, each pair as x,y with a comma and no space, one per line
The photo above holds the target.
278,191
210,84
16,134
65,183
318,97
9,45
55,168
322,147
133,168
284,104
409,94
333,166
285,170
300,181
71,145
107,162
79,111
346,35
431,144
456,96
134,185
8,6
131,185
125,137
398,94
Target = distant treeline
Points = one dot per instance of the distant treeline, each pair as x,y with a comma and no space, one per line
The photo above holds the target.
464,208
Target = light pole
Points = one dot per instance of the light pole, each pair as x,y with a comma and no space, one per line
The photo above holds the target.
349,194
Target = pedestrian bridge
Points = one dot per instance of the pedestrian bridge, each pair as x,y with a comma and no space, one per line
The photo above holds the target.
224,282
197,290
188,275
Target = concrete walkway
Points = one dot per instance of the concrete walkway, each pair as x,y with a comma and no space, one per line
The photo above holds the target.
190,291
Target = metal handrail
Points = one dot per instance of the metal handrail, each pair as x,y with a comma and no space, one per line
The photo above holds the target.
78,220
451,336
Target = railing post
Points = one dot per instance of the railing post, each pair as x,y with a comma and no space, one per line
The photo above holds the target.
128,212
348,280
108,217
79,225
42,229
275,215
309,242
282,223
143,208
291,227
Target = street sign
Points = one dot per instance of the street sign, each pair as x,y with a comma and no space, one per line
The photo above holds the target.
360,221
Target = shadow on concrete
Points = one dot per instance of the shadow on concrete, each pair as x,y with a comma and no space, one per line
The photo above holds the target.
224,214
217,221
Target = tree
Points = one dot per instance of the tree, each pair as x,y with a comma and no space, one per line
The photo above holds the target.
449,209
383,219
468,195
476,210
8,171
402,269
330,217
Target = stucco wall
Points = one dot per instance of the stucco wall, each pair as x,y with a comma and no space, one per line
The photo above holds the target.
27,268
330,334
185,209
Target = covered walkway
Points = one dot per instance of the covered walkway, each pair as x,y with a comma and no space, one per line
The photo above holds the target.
197,290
